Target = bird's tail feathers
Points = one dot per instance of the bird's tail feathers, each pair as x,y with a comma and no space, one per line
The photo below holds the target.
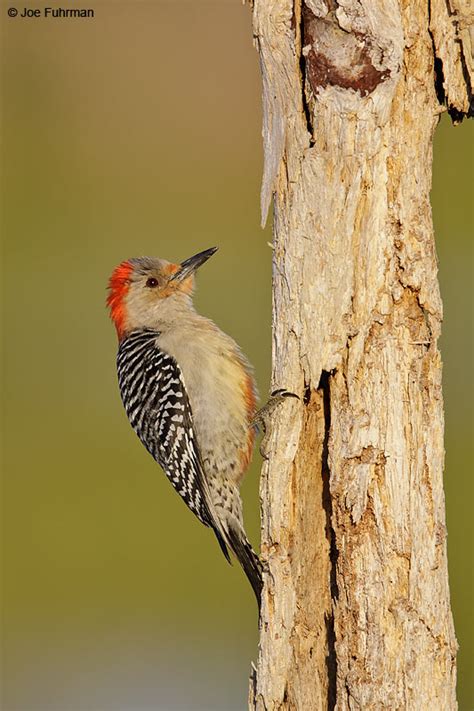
230,533
247,558
223,543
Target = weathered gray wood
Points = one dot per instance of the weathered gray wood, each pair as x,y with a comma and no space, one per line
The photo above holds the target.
356,611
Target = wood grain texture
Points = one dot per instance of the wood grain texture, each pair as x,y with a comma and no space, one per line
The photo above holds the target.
356,611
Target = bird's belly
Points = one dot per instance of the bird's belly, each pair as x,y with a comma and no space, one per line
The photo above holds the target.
221,427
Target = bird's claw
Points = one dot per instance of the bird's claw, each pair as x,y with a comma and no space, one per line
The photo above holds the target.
262,417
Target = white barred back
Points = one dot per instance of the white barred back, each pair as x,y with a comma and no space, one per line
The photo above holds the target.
156,403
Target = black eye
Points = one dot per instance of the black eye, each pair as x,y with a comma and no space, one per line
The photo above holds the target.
152,282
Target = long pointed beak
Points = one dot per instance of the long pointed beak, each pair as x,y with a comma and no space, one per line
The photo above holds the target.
190,265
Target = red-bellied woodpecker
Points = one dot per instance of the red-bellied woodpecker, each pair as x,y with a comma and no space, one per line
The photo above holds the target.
188,392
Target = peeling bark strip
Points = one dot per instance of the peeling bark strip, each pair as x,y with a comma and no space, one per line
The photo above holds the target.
356,612
452,31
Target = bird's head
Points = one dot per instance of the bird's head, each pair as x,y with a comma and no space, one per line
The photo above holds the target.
146,291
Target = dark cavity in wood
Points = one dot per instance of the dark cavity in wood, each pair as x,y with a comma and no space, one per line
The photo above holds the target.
335,57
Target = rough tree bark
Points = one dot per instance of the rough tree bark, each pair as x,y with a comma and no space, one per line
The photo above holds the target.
356,611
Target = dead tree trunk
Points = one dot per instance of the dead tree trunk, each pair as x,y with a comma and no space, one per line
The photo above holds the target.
356,611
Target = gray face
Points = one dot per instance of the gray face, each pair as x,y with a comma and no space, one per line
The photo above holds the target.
156,293
148,268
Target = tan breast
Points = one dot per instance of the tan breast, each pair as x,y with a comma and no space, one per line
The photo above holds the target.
216,375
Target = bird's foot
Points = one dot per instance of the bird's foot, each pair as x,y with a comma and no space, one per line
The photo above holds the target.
261,419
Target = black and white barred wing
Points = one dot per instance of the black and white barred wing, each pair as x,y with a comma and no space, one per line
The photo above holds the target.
157,405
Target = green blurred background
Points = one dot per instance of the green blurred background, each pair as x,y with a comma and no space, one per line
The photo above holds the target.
138,132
